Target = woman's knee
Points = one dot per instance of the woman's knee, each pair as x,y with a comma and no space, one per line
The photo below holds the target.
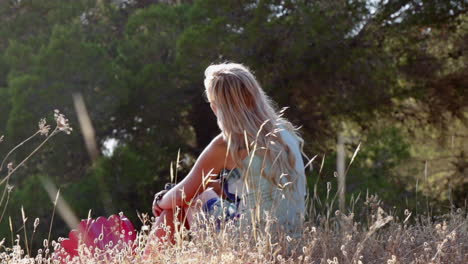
166,217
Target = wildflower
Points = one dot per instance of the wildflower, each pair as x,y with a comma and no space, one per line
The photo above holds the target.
343,250
452,236
43,127
62,122
393,260
84,19
10,166
1,138
280,258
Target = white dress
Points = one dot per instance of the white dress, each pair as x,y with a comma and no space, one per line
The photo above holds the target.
264,205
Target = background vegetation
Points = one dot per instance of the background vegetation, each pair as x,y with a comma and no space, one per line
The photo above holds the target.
390,74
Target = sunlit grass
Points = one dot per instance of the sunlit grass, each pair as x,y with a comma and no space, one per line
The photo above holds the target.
329,236
341,239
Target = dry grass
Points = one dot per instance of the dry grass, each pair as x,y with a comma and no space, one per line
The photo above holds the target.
328,237
341,239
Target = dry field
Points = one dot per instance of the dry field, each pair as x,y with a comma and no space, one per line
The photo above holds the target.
329,236
340,239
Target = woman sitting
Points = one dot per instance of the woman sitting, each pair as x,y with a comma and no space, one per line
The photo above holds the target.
260,148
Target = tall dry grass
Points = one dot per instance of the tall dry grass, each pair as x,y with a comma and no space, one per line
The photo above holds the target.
340,239
329,236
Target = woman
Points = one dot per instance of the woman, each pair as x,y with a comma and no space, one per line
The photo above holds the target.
254,141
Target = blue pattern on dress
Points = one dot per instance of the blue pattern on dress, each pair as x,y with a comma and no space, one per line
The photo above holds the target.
225,209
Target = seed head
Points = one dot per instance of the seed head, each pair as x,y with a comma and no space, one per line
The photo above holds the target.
62,122
43,127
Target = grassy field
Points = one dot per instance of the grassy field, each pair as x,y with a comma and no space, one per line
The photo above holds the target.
338,238
367,232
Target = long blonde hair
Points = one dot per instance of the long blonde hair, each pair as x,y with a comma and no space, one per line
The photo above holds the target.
248,120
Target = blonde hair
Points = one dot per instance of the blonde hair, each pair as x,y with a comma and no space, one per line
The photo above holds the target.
248,120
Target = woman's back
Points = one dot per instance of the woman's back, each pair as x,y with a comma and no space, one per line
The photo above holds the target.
265,204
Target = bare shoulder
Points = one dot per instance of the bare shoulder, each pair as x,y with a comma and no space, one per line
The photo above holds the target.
218,145
219,148
214,155
219,140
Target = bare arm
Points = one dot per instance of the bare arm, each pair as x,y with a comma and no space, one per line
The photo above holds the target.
208,165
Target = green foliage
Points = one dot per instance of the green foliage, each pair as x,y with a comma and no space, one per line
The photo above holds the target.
375,169
19,124
124,182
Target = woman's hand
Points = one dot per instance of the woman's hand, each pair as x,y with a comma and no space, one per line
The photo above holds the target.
157,197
